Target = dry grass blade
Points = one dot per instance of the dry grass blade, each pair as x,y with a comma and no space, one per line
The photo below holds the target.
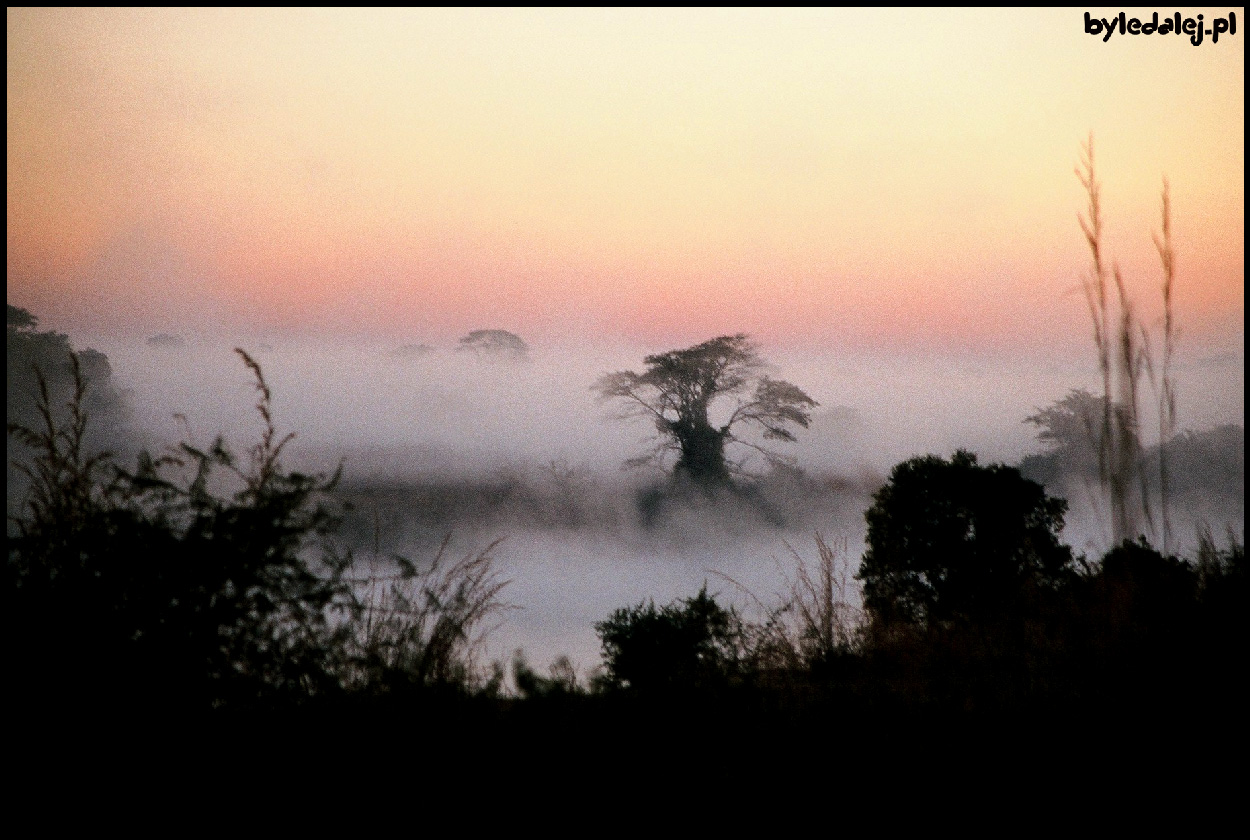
1167,387
823,601
429,627
1124,357
824,598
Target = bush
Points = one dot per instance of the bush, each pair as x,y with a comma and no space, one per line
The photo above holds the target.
420,631
688,644
956,541
133,588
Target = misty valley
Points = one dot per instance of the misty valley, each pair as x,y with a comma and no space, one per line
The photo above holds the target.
495,524
488,387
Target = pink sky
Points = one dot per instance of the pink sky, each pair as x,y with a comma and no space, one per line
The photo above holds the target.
877,178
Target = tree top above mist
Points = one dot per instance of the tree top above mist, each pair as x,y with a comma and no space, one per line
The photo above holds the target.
166,340
678,390
495,345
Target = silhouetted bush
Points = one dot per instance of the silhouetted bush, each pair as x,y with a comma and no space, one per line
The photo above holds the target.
561,683
1162,632
417,631
133,590
689,644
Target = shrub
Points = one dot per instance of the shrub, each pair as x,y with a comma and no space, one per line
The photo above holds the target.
953,540
422,630
132,587
688,644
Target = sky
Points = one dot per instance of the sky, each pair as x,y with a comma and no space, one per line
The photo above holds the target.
855,179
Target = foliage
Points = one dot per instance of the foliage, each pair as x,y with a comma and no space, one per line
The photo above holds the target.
1072,424
422,630
814,621
1142,589
677,392
561,682
952,540
1224,592
1207,462
495,345
1146,631
148,588
1071,429
690,643
21,319
822,596
32,353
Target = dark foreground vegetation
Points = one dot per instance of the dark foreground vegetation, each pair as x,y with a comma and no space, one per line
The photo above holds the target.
207,586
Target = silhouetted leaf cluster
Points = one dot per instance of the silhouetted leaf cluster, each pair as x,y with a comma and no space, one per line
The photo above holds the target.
155,588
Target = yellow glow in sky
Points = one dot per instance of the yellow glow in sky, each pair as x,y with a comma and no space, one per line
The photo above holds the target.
659,174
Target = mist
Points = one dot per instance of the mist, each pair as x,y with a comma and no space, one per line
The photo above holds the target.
442,447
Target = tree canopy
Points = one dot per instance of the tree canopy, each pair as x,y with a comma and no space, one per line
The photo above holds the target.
677,392
44,359
954,540
495,345
1072,424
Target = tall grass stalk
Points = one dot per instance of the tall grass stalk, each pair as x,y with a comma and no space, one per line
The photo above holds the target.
815,617
825,597
64,480
1124,357
1167,387
426,628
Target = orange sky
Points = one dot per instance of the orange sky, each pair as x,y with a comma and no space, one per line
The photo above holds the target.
869,177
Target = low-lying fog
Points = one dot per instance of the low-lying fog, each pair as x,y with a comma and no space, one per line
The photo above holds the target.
441,443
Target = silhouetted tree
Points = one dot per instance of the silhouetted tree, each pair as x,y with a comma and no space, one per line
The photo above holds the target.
165,341
1072,424
412,351
953,540
690,643
32,353
678,391
1071,429
495,345
1145,629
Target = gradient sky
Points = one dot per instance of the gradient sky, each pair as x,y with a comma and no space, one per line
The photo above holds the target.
872,178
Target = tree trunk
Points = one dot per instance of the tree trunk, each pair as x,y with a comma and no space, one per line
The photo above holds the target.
702,453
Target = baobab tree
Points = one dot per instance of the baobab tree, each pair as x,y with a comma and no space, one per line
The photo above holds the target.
679,392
